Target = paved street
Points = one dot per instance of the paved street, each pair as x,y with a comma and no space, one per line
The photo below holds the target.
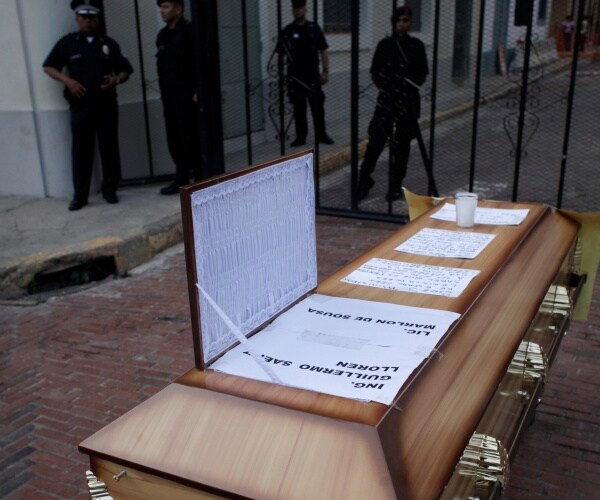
494,173
74,363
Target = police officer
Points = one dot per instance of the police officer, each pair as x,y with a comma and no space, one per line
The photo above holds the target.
398,69
94,67
302,42
177,80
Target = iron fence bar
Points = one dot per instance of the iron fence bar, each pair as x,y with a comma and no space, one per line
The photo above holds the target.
246,82
314,117
140,181
390,133
434,78
357,214
205,24
354,96
565,150
281,82
144,94
477,94
523,100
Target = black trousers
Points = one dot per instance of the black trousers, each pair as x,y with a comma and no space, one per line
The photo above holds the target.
91,118
183,138
315,97
400,132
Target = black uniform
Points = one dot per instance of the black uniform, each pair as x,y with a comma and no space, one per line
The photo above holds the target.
89,62
301,46
396,61
177,80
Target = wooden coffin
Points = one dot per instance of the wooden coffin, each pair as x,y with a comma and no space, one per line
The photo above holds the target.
211,434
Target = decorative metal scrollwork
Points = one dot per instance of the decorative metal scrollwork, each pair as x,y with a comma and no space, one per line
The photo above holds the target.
531,123
486,461
535,88
276,94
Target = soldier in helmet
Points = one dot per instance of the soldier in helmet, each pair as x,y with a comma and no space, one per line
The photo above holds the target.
91,65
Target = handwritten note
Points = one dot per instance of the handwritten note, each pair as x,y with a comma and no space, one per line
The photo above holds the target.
494,216
413,278
443,243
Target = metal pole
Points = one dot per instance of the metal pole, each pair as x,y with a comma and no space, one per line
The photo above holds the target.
390,134
434,74
354,95
246,83
565,151
523,100
144,95
205,25
477,93
316,146
281,83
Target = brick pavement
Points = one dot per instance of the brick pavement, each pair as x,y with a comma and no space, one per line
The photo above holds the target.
74,363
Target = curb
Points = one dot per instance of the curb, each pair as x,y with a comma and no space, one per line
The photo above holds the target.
128,251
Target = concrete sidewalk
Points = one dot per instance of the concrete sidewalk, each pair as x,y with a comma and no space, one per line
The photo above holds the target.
40,236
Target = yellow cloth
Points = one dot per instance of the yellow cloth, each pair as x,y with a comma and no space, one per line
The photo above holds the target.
418,204
589,234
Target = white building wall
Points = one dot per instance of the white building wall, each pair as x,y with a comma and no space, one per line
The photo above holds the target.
34,116
20,159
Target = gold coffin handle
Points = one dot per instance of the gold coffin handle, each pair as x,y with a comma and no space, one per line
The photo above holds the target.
97,488
486,461
531,364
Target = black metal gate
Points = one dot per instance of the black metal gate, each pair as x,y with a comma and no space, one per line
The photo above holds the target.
506,111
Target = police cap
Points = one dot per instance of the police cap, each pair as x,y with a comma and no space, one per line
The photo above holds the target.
85,7
177,2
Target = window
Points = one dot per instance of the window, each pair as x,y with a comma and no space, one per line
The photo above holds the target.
336,16
542,12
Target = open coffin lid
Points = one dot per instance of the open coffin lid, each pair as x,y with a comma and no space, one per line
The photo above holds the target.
250,249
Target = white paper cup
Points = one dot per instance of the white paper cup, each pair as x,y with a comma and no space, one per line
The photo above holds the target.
466,203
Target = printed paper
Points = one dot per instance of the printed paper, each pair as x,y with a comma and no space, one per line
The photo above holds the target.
346,347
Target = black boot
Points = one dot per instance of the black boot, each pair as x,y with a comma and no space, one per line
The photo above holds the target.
172,188
364,186
393,195
297,142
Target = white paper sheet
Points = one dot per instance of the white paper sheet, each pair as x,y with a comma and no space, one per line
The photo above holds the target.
494,216
443,243
346,347
413,278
